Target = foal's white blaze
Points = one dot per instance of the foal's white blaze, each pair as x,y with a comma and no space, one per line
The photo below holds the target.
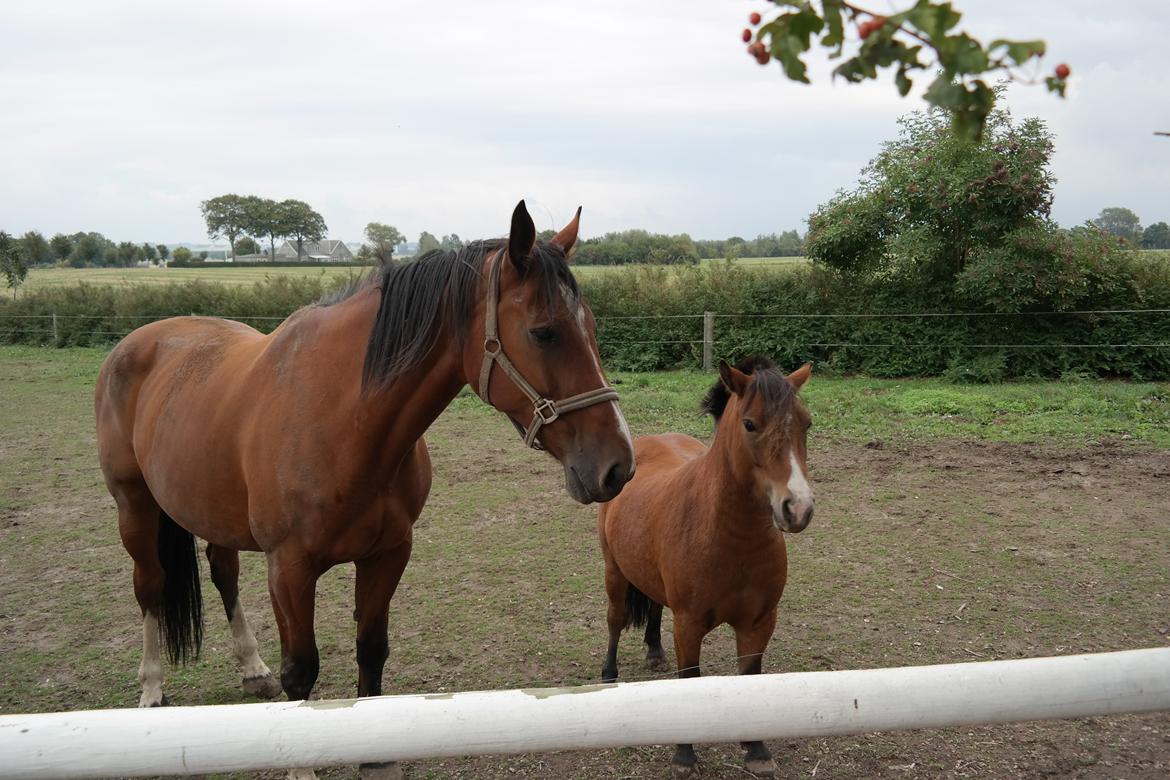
245,646
798,487
150,670
797,491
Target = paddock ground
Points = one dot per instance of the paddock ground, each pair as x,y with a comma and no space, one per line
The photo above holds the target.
952,524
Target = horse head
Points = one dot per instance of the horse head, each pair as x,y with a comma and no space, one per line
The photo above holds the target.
532,354
768,426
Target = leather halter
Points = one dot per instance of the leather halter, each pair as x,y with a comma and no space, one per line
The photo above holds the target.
544,411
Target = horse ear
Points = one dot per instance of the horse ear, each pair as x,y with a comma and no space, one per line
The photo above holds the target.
522,237
733,379
567,238
800,375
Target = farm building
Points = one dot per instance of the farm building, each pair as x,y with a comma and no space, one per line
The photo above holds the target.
327,251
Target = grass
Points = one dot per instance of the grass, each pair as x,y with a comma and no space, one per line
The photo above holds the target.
953,523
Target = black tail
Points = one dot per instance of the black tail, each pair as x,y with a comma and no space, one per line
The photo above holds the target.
638,606
181,621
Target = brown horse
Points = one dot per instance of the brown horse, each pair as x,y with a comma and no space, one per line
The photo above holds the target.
306,443
699,530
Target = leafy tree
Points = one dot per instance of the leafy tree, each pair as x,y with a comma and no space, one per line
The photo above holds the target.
226,217
163,253
36,249
148,252
298,221
181,254
203,256
451,243
62,246
546,235
263,219
427,243
1156,236
88,249
13,263
247,246
899,40
128,253
1120,222
383,238
929,199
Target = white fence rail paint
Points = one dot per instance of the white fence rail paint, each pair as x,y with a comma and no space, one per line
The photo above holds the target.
197,740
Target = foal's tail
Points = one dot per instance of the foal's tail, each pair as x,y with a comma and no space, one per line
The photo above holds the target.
182,608
638,606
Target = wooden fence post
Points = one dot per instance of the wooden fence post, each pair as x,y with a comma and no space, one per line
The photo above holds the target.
708,339
56,333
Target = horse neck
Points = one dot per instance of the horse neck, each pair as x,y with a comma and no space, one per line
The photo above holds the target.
392,418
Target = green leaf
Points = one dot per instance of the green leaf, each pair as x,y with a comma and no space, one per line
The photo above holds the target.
1019,52
834,20
903,81
933,20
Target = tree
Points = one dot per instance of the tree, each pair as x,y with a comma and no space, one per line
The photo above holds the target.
1156,236
896,40
1120,222
88,249
427,243
181,255
929,199
247,246
128,253
163,253
62,246
382,239
13,263
297,220
226,217
451,243
263,220
36,249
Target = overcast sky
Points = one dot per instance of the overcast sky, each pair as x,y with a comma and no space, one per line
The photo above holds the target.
121,117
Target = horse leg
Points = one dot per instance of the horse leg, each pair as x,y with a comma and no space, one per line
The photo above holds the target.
749,646
688,641
138,525
616,586
377,579
654,653
292,584
257,680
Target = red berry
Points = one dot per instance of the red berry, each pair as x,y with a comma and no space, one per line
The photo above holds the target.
864,30
747,35
1062,71
763,57
754,18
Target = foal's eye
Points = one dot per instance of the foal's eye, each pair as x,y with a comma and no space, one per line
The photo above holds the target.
544,336
749,426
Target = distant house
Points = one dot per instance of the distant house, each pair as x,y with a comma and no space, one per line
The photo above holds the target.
328,251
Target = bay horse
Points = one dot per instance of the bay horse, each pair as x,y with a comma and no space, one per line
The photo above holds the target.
306,443
701,530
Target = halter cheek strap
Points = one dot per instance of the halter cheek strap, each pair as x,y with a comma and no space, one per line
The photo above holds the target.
544,411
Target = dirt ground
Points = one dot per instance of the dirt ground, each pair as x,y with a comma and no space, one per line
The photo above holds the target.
922,551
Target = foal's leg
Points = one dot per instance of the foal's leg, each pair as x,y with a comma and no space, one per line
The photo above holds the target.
750,644
225,573
688,641
138,518
654,654
377,579
616,586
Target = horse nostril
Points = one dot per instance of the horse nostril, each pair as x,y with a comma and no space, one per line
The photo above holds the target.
615,478
807,517
786,512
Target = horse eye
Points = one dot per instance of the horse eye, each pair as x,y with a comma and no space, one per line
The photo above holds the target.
544,336
749,426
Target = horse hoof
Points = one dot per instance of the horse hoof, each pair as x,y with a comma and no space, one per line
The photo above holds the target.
388,771
145,703
684,771
263,687
761,768
656,661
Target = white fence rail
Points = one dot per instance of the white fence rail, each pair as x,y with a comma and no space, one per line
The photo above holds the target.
197,740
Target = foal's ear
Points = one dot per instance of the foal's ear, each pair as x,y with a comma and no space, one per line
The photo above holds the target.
567,238
800,375
522,237
733,379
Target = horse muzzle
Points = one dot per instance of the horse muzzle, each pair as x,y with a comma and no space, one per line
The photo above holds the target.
588,481
793,515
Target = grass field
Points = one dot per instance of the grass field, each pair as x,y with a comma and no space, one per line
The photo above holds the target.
953,524
54,277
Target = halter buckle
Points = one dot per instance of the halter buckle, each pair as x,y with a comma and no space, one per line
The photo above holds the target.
546,410
488,350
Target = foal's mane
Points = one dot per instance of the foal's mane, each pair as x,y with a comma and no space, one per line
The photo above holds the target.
439,291
766,380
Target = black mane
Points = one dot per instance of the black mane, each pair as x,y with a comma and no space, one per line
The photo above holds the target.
766,380
440,290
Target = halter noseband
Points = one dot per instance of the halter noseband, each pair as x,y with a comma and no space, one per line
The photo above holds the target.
544,411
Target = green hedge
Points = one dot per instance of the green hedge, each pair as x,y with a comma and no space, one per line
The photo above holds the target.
642,310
